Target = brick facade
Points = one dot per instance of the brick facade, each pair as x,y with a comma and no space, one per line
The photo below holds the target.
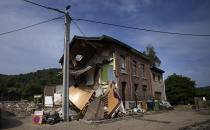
129,78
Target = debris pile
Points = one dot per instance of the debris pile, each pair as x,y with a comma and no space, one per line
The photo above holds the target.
51,118
94,103
91,105
20,108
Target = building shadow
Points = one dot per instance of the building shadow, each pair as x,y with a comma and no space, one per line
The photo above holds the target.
8,120
158,121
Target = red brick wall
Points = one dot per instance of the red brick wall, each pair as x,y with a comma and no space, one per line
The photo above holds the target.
129,78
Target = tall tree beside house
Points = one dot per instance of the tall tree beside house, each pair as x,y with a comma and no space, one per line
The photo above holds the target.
150,52
180,89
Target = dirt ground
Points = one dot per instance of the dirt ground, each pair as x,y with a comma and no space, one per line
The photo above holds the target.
170,120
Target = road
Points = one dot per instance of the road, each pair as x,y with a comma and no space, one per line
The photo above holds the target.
171,120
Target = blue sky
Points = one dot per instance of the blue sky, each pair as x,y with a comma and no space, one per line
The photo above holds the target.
41,46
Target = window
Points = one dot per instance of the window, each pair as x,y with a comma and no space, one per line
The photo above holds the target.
142,70
158,77
135,89
153,75
122,64
134,67
144,89
157,95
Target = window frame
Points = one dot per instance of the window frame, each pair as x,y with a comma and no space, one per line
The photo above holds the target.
122,65
134,68
144,92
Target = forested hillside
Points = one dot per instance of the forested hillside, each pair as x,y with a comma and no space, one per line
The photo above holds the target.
203,92
26,85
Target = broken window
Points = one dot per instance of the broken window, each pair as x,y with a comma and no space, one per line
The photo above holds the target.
134,67
142,70
122,64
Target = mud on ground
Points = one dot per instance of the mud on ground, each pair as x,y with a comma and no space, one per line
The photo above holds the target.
170,120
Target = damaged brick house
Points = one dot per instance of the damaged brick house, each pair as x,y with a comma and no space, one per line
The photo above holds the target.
95,61
158,86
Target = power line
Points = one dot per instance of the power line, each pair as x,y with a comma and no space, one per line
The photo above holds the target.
78,28
49,20
65,100
142,29
45,6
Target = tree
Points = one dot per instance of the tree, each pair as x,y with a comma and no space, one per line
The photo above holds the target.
203,92
151,54
26,85
180,89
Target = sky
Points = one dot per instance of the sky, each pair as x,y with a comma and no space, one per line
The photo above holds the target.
40,47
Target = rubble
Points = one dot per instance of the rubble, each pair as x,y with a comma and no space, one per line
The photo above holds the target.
20,108
95,110
86,103
51,118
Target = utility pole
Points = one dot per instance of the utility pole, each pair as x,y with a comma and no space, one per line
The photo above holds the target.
65,100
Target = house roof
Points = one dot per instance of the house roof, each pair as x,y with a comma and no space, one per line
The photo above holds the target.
105,37
157,69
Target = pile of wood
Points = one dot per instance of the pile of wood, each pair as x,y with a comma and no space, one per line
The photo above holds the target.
90,107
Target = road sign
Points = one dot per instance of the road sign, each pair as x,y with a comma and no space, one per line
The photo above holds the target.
37,119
